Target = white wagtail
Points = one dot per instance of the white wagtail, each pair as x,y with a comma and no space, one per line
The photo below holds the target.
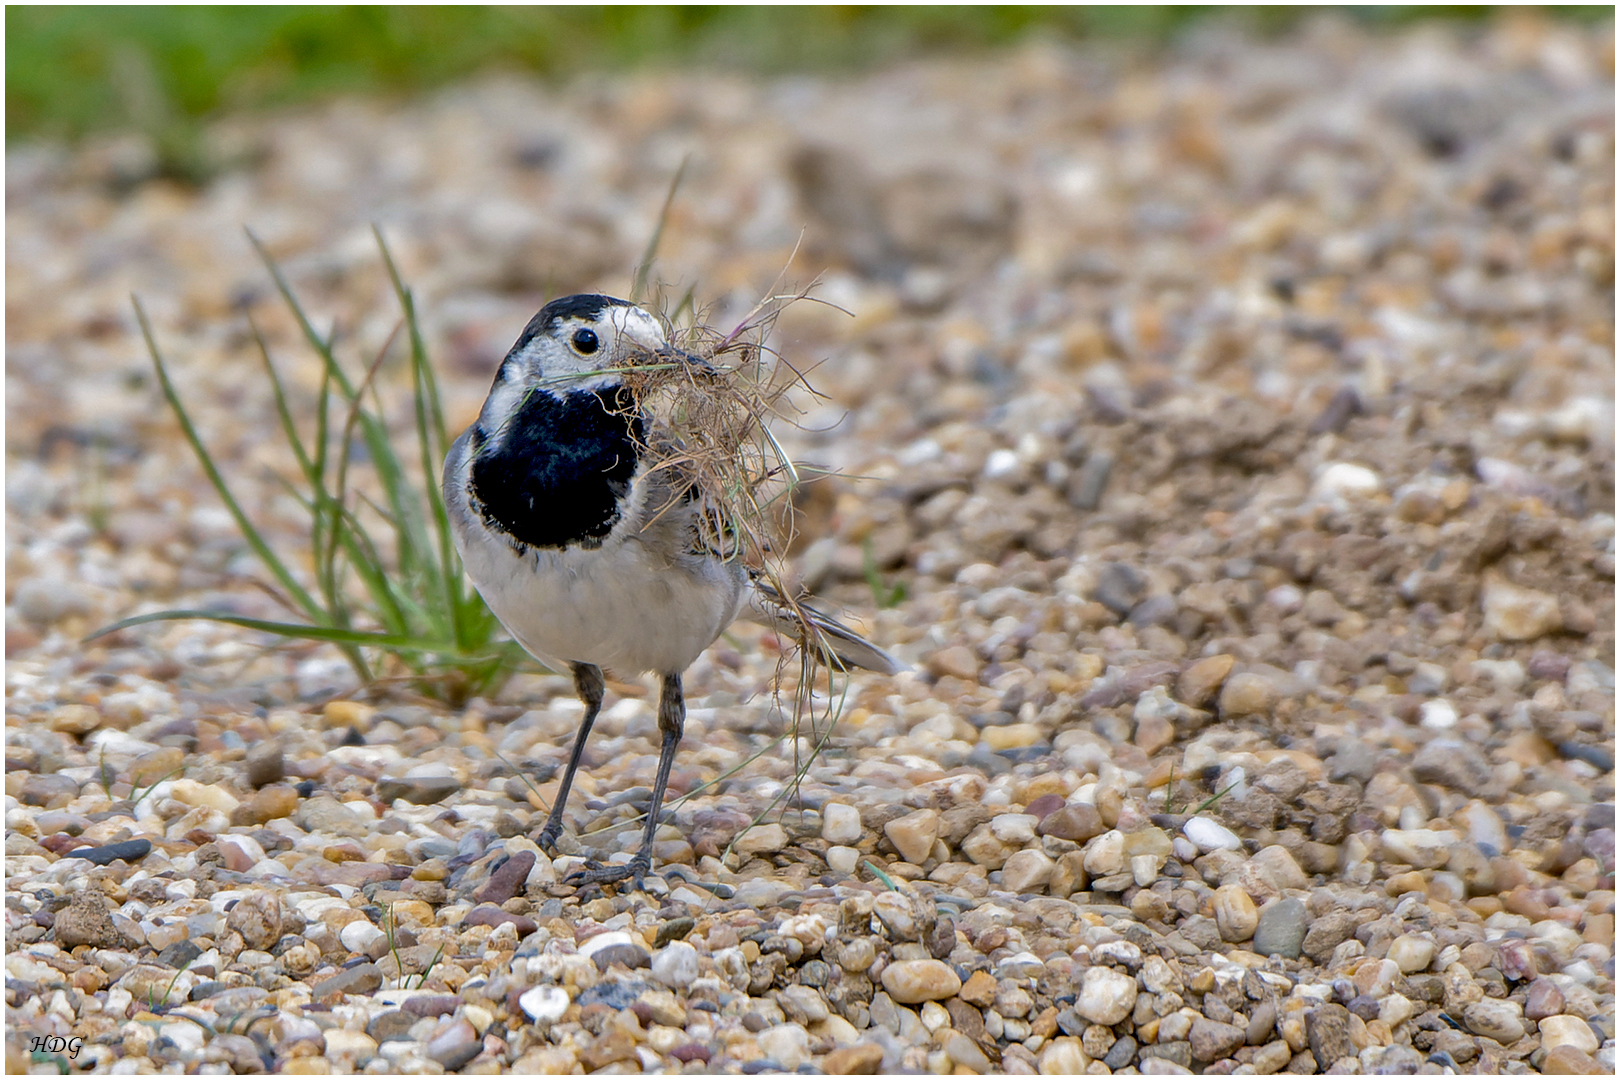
591,556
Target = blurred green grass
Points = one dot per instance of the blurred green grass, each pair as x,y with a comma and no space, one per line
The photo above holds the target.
74,70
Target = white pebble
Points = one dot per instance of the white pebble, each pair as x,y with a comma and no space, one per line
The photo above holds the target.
675,965
544,1004
840,823
843,859
1211,836
1438,715
359,935
1002,464
1346,480
786,1044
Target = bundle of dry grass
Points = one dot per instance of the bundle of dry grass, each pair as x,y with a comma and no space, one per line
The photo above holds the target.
711,435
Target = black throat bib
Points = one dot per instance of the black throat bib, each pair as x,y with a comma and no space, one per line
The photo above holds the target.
557,471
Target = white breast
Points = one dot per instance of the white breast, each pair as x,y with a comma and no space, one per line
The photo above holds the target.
637,603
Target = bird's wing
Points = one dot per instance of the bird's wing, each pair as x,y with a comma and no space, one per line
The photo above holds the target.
838,645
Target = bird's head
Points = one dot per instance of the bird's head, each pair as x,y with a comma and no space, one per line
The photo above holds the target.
587,340
580,343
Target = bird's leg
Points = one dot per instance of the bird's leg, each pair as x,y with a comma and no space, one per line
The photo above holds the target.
671,722
588,684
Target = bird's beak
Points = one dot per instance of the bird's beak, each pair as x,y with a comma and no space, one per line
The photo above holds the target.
669,354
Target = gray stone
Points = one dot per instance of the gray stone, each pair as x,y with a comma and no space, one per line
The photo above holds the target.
265,764
1210,1040
1454,764
1327,1028
390,1026
1494,1019
1326,933
87,920
1179,1052
1121,1054
360,979
1119,588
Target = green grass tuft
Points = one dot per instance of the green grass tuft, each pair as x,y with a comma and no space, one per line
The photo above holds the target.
412,612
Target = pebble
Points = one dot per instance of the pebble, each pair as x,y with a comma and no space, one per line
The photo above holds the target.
1076,821
507,879
1280,929
786,1044
840,823
360,979
1327,1029
863,1059
266,764
1105,996
1246,694
1063,1057
1209,1040
1345,479
419,789
258,918
87,920
1026,871
129,851
913,834
911,982
1499,1020
1513,613
544,1004
1201,680
1542,1000
1568,1061
1210,835
1571,1031
761,840
1235,913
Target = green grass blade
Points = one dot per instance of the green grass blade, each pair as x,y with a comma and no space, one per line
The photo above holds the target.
433,443
302,631
411,538
638,283
255,541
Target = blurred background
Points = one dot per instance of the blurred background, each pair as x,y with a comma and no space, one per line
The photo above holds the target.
73,70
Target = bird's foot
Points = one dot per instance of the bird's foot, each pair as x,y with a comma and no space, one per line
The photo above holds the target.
686,875
596,873
546,838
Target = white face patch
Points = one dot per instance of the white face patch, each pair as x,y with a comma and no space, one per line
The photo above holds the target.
639,329
553,363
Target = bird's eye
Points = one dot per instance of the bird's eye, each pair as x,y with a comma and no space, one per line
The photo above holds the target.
585,342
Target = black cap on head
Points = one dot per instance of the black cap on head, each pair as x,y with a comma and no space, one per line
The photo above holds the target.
579,306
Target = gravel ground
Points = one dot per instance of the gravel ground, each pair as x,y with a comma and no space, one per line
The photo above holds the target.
1239,422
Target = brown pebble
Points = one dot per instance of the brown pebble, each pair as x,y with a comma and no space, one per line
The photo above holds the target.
957,660
980,990
1527,902
266,765
257,917
87,920
1199,683
1078,822
1566,1060
431,1005
863,1059
1044,805
270,802
490,915
507,881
